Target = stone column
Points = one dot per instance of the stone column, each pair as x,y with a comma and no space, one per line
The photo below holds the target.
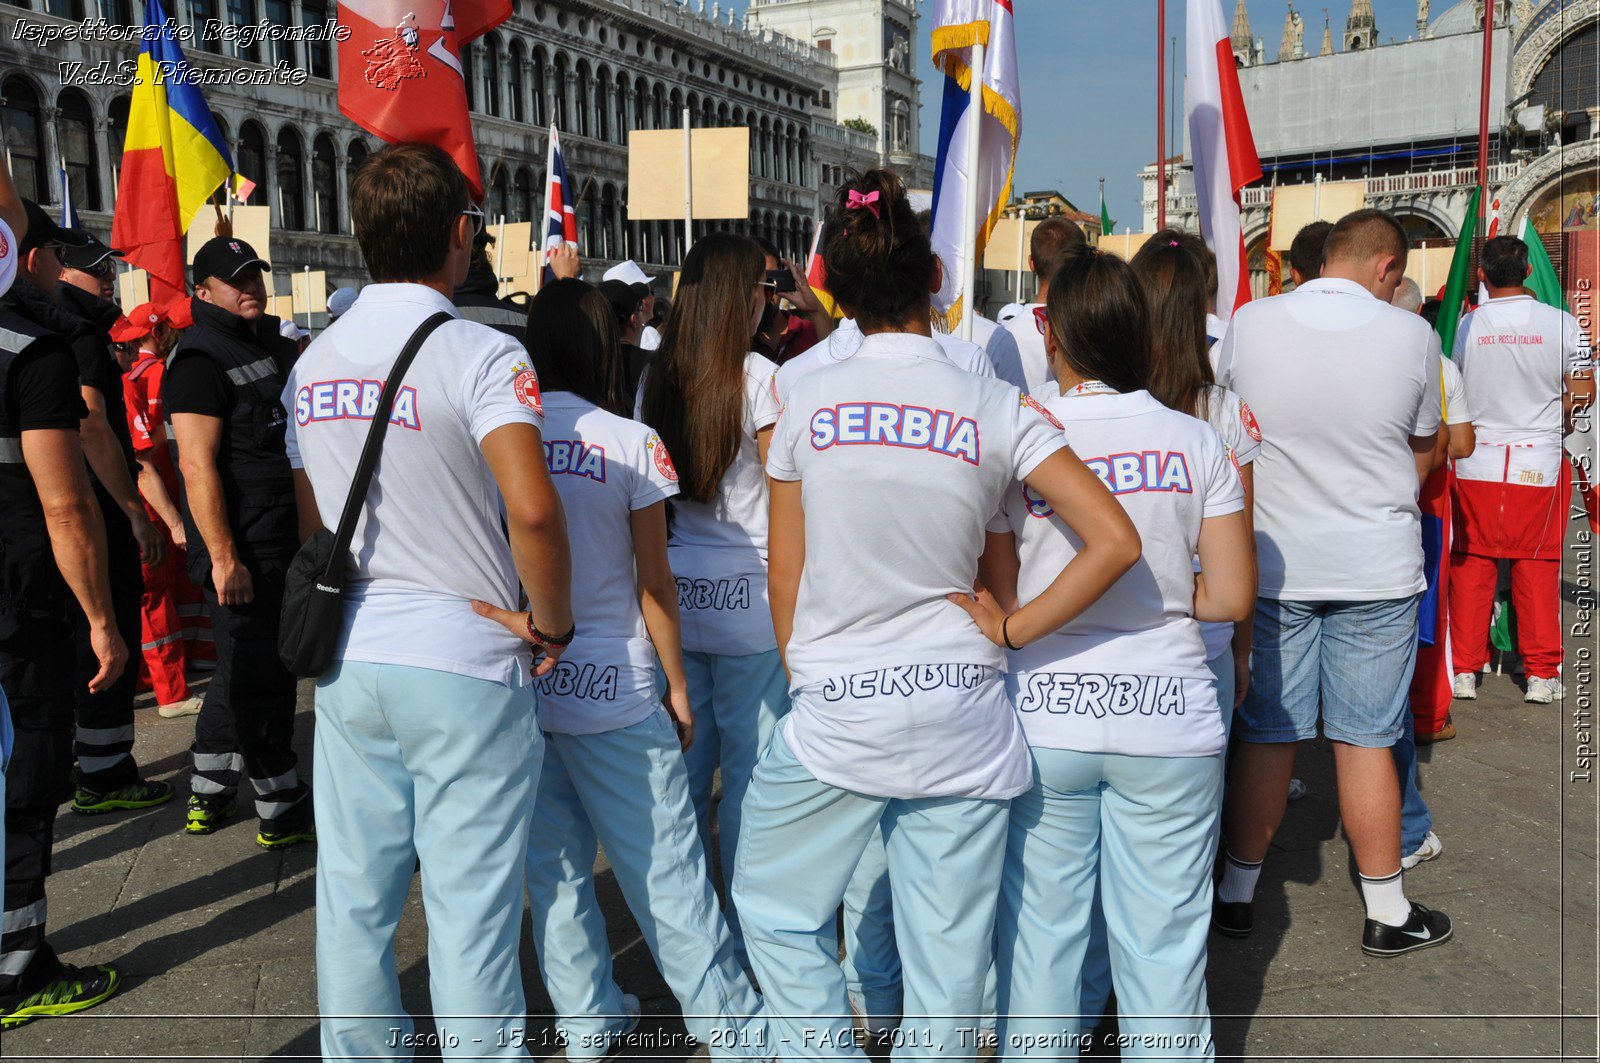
51,158
102,155
299,56
269,181
341,181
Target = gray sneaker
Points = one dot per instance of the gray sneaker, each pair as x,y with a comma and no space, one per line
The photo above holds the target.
1544,691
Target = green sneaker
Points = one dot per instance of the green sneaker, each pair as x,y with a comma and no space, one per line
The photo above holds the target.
142,794
74,989
284,839
207,814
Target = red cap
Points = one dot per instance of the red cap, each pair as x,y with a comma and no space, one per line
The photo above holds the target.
139,322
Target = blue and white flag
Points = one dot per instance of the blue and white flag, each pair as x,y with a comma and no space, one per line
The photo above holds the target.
957,26
69,211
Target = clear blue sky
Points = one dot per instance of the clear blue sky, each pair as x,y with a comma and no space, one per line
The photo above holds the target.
1088,85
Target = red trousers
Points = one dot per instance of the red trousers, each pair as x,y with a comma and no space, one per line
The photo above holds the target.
1536,597
161,664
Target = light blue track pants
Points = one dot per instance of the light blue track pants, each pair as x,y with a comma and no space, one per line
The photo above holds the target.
737,702
1142,827
871,958
803,840
414,763
627,789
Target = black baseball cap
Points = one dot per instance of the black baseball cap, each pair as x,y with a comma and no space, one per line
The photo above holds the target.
625,298
87,255
43,230
225,257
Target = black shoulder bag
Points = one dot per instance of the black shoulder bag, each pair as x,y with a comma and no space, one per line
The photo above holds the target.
313,597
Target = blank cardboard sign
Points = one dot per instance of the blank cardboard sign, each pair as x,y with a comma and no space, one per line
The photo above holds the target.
721,159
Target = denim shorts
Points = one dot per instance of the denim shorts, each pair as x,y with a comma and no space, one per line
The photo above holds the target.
1353,659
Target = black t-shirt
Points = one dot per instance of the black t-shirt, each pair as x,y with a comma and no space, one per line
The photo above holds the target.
195,384
44,390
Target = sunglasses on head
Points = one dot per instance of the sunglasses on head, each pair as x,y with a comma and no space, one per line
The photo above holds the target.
475,212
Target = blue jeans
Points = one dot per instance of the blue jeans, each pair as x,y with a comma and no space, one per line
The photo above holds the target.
1136,833
737,702
1349,663
1415,819
803,841
627,789
415,763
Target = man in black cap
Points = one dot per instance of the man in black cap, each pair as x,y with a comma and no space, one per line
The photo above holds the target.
628,304
222,395
52,553
108,779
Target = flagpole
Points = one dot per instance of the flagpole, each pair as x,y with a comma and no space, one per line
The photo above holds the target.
969,197
1483,111
688,185
1022,232
1161,114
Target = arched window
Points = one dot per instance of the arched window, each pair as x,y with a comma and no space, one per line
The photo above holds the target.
558,106
522,197
608,223
722,114
491,74
584,92
658,107
602,102
117,133
586,237
354,157
641,104
515,61
541,114
19,110
75,136
674,110
803,151
619,103
252,160
200,12
291,188
325,184
469,67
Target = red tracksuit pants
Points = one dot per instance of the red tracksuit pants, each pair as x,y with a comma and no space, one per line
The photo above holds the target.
162,661
1536,597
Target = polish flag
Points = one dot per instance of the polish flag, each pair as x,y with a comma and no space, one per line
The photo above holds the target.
400,73
1224,152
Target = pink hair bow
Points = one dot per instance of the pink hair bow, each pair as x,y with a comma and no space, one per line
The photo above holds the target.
856,201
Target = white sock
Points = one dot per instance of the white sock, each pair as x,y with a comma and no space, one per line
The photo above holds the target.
1386,899
1238,885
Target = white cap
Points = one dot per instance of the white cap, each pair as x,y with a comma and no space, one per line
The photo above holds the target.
629,273
290,331
340,301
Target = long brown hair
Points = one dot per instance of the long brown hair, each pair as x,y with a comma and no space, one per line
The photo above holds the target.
694,388
573,345
1098,317
1174,283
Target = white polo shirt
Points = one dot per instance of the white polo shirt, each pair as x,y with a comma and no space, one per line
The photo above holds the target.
1235,423
1457,410
1112,680
845,340
1514,354
604,467
902,458
718,549
430,538
1031,368
1338,382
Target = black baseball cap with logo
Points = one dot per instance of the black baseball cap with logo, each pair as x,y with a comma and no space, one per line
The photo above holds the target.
225,257
89,254
43,230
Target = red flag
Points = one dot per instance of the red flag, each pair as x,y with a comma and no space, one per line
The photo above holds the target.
400,71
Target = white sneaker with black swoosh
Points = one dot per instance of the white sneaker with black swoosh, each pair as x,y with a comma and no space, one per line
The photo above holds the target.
1425,929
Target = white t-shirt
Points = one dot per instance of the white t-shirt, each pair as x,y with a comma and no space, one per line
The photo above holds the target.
718,549
845,340
604,467
1236,424
1111,680
1457,410
902,459
1338,382
1514,354
649,338
429,539
1031,368
8,257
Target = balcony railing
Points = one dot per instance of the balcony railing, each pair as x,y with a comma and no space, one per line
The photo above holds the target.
1260,196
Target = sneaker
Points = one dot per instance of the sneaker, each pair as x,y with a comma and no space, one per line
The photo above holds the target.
1297,789
1464,687
613,1038
1431,847
1425,929
206,814
142,794
1544,691
1443,734
1234,919
187,707
74,989
285,838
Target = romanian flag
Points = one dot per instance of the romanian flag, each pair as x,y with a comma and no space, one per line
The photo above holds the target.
172,161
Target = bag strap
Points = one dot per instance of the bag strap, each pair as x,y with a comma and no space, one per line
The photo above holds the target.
369,452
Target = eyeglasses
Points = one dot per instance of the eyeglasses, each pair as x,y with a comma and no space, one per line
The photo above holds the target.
475,212
103,270
1041,320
